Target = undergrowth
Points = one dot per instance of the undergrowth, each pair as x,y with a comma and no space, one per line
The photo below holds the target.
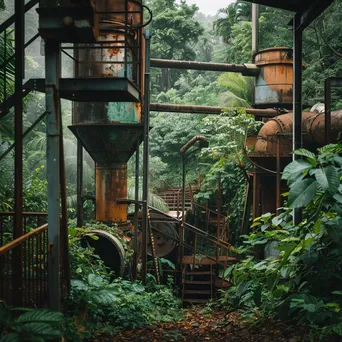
299,280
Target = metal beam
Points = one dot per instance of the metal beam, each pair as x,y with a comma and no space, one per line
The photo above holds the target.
79,213
52,67
136,211
145,222
18,140
190,109
297,97
307,16
11,20
244,69
24,135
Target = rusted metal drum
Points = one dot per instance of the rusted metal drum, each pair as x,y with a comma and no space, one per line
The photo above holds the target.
274,85
111,185
282,125
109,249
315,126
164,243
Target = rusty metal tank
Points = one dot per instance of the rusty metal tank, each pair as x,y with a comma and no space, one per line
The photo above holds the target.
313,129
110,131
274,85
111,185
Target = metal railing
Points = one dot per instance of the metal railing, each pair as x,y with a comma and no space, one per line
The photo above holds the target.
197,243
212,220
23,265
31,220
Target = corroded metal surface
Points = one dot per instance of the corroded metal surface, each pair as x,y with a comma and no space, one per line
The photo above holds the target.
111,184
313,128
165,237
275,81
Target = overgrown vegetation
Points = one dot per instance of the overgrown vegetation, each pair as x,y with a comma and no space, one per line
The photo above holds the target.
299,281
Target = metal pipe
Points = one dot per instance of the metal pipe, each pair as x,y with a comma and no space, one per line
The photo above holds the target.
297,96
191,142
18,140
176,108
255,28
79,213
278,200
147,86
327,110
136,211
244,69
52,67
218,228
64,240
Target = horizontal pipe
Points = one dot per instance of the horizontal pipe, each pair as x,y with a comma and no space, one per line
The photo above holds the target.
190,109
244,69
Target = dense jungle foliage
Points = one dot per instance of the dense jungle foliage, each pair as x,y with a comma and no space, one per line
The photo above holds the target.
297,278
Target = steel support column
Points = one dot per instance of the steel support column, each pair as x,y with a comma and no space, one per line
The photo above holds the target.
18,140
255,28
327,110
297,96
79,213
64,240
52,67
147,85
136,211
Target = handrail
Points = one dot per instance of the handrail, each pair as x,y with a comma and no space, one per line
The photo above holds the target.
12,213
187,246
11,20
210,237
20,240
203,207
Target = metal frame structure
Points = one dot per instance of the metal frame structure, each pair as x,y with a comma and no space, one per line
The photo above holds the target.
306,11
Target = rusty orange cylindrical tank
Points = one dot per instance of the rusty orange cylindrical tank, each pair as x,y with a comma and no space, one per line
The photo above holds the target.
274,85
111,185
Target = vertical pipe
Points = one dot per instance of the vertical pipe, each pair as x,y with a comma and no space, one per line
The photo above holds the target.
327,110
79,213
218,228
181,233
64,217
297,97
136,212
18,140
146,154
278,200
52,67
255,28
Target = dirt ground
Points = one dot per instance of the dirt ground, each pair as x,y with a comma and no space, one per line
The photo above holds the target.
199,325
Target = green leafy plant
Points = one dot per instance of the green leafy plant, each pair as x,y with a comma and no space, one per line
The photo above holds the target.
31,325
299,280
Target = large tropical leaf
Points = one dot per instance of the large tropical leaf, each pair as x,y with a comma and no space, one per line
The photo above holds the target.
303,193
328,179
294,169
309,155
41,315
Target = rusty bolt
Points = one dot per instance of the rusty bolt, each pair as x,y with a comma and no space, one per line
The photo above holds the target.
67,21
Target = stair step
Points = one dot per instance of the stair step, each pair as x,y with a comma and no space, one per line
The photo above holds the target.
197,282
197,272
195,300
197,292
